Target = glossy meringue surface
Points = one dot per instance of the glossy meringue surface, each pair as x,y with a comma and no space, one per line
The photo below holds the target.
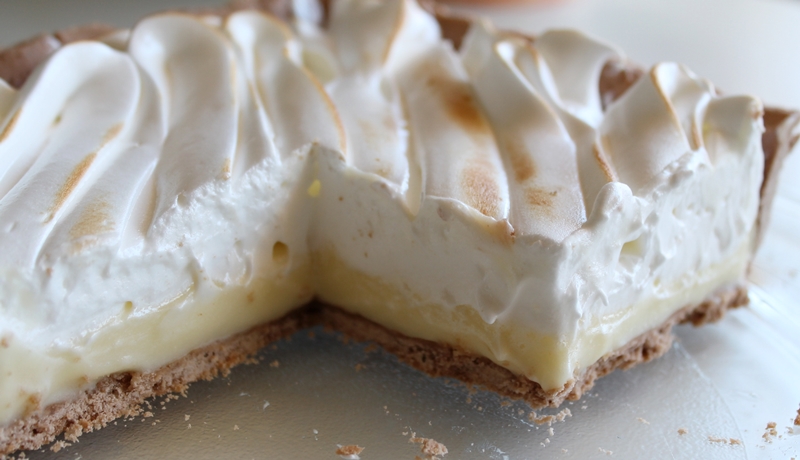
210,159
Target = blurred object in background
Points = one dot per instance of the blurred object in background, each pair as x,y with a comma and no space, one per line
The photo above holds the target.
497,2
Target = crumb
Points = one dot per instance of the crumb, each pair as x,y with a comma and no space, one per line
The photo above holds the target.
315,431
235,427
148,414
797,419
564,451
431,448
540,420
607,452
770,431
682,431
639,419
266,404
360,366
563,414
584,407
275,363
547,440
186,418
189,427
717,440
349,451
58,445
550,431
735,442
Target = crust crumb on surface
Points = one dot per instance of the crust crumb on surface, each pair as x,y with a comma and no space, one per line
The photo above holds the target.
607,452
430,447
350,450
770,431
797,418
563,414
728,441
682,431
58,445
540,420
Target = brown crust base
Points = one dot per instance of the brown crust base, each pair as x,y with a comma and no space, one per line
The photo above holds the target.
122,393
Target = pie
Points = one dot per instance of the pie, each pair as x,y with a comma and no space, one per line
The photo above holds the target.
522,213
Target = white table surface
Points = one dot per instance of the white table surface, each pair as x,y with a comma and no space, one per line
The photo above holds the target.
727,380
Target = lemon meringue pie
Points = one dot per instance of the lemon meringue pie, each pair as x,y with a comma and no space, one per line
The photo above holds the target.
166,189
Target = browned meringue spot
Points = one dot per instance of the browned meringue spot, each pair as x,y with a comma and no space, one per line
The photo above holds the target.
539,197
111,133
10,126
521,162
481,190
697,137
94,220
602,161
459,103
72,181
